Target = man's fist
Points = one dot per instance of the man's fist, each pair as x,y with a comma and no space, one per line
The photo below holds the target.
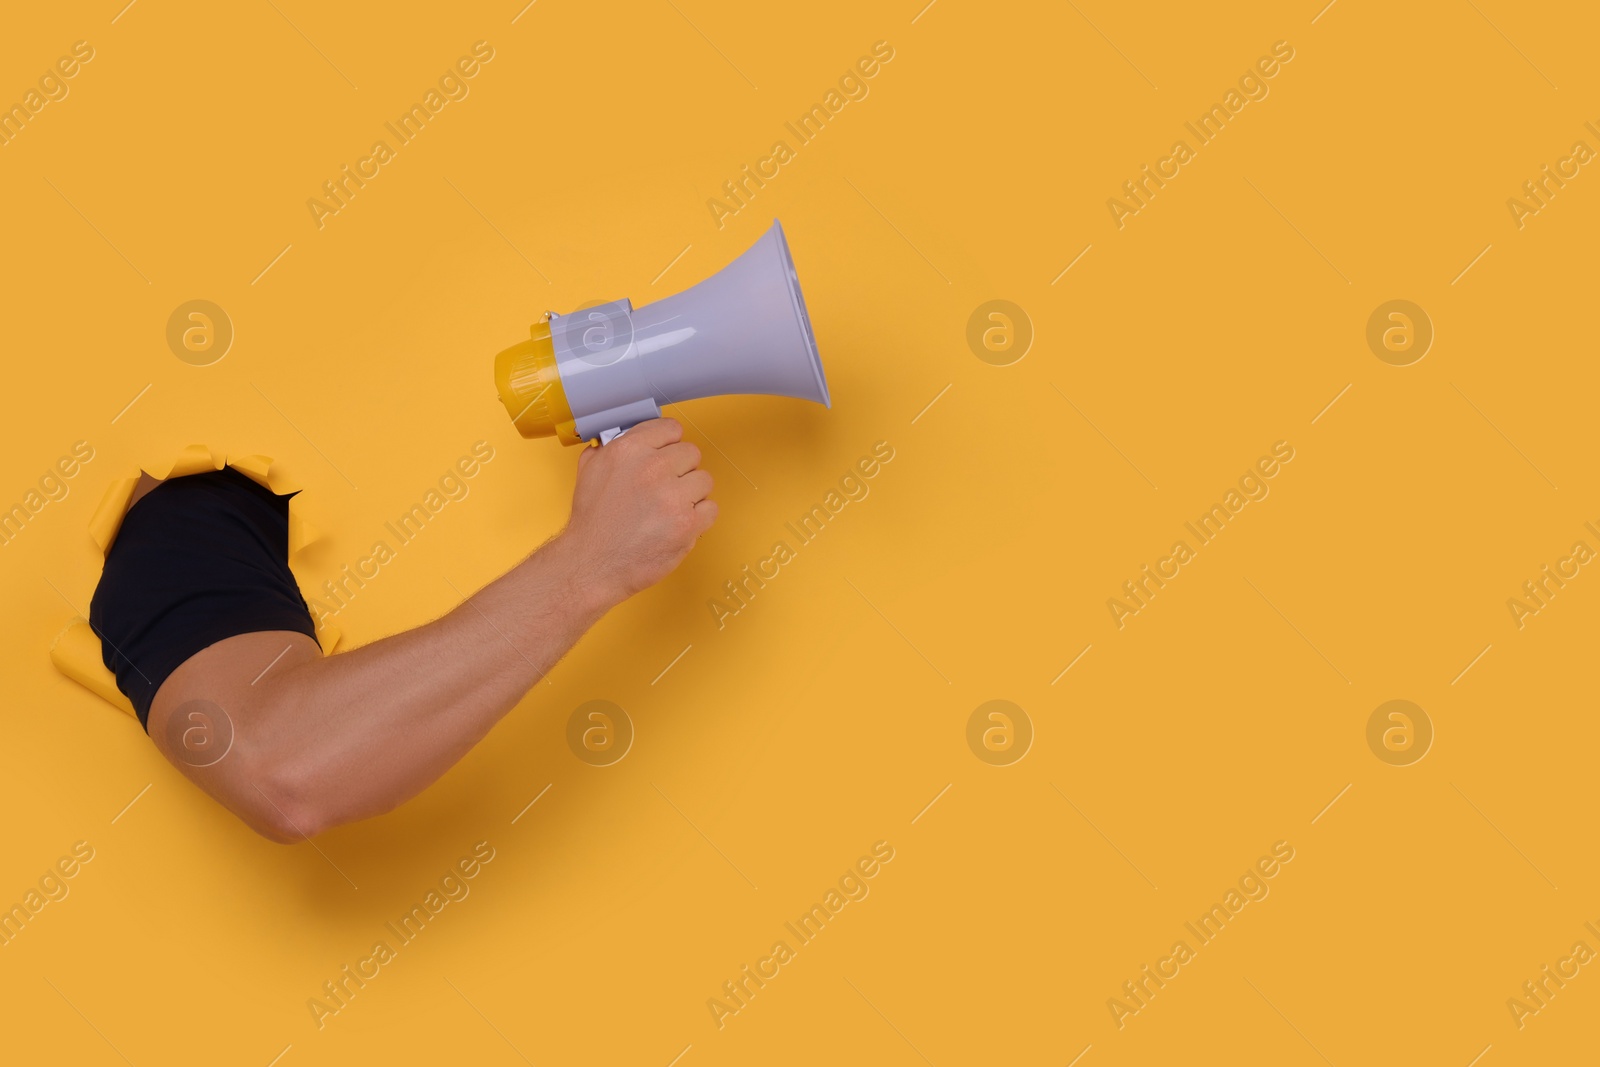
640,504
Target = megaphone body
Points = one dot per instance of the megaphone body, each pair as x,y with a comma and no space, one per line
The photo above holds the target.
594,373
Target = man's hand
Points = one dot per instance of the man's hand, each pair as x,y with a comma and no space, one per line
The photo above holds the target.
640,504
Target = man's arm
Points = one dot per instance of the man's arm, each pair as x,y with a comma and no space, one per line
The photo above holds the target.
322,741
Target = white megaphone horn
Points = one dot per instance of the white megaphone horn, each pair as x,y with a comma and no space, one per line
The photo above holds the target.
597,372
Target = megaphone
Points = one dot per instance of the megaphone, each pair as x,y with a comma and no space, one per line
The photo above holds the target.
596,372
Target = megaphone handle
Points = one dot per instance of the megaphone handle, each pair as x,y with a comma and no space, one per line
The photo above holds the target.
612,422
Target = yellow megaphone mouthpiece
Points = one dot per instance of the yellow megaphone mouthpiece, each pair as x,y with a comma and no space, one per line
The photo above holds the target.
529,385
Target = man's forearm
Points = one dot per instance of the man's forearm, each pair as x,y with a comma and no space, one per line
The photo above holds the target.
354,735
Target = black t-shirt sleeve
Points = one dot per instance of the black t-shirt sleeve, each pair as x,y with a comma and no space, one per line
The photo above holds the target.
198,559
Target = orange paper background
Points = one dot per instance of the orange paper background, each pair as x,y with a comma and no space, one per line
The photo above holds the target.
770,753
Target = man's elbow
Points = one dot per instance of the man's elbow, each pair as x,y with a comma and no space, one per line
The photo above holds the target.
287,807
278,829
